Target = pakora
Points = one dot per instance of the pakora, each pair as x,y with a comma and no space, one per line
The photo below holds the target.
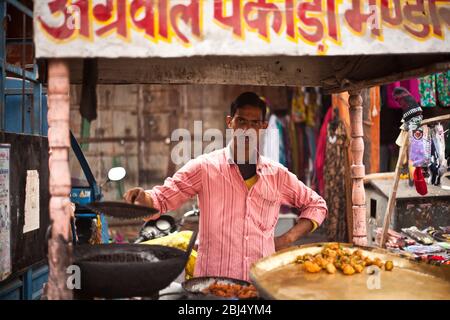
334,257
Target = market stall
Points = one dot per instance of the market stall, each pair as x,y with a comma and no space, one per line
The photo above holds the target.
339,46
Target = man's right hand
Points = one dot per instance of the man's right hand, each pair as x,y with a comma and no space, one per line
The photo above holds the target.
139,197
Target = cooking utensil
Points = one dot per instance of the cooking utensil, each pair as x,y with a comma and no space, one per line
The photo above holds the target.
121,210
197,286
128,270
279,277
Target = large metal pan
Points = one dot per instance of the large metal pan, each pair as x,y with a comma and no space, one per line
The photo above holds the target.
279,277
128,270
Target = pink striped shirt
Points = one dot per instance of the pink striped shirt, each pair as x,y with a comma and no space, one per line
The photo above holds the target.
236,226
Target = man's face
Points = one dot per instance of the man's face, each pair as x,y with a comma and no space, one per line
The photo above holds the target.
246,125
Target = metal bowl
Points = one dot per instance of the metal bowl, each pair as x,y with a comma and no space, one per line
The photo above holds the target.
195,287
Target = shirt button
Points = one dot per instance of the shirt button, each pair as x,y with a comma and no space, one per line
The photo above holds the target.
246,238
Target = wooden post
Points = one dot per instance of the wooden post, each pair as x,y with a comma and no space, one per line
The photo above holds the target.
393,193
59,249
357,168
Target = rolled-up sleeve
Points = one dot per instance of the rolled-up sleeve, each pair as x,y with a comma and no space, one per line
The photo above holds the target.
176,190
295,193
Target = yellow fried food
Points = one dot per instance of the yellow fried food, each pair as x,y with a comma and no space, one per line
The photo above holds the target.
308,257
321,262
378,263
358,268
348,269
389,265
330,268
311,267
332,246
368,261
357,253
334,257
329,253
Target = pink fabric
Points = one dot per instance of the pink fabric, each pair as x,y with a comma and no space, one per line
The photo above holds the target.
412,85
320,153
236,225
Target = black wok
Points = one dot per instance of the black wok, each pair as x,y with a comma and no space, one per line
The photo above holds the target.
128,270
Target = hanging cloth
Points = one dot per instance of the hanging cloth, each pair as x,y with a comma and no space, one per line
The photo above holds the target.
427,89
443,88
336,171
298,109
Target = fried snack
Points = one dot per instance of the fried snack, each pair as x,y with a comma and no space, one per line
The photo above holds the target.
348,269
333,257
311,267
389,265
320,261
357,253
330,268
378,263
368,261
227,290
332,246
358,268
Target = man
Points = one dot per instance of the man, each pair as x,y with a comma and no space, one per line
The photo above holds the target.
239,193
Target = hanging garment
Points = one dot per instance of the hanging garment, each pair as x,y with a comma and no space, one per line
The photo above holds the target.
311,106
427,89
419,182
300,132
295,151
443,88
298,109
320,154
336,171
412,85
420,147
311,136
438,163
412,112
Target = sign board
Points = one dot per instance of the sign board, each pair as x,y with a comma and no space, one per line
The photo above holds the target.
5,220
182,28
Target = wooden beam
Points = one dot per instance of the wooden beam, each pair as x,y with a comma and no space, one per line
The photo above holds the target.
333,73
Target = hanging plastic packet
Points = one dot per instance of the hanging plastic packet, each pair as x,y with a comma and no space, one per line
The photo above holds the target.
420,147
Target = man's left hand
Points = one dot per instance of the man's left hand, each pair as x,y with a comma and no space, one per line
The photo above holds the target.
282,242
301,228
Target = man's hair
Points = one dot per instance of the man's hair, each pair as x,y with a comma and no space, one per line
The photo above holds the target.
248,99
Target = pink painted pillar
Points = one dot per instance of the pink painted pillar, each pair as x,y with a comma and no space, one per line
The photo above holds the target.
357,168
59,249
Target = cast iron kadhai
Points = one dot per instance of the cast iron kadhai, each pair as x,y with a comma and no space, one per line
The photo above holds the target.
121,210
128,270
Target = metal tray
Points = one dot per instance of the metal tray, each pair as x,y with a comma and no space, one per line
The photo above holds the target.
279,277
